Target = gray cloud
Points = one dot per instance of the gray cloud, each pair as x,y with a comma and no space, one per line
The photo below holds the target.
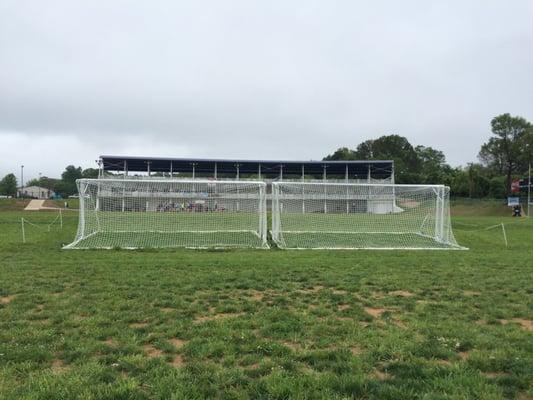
255,79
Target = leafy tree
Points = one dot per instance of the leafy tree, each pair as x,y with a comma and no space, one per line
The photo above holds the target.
8,185
67,185
90,173
33,182
509,148
342,153
433,168
393,147
45,182
412,165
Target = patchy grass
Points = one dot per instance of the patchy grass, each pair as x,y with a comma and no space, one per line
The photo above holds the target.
266,324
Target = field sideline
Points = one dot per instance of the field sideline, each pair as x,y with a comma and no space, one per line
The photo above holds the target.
270,324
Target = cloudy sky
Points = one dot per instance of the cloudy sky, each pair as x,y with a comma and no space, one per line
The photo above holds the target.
255,79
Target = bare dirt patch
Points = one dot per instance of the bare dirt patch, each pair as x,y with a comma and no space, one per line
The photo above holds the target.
152,351
252,367
380,375
464,355
138,325
375,312
399,323
314,289
216,317
292,345
58,366
401,293
110,342
494,374
342,307
177,343
7,299
177,361
356,350
442,362
471,293
166,310
257,295
339,291
525,324
50,204
39,307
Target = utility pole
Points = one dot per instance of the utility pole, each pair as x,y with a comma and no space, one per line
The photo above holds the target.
21,180
528,189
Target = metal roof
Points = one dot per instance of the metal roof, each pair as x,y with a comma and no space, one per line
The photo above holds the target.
378,168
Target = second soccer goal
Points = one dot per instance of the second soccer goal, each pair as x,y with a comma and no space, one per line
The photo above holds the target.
361,216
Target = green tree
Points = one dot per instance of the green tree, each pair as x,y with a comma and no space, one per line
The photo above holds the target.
508,149
45,182
8,185
393,147
90,173
34,182
342,153
67,185
411,164
433,168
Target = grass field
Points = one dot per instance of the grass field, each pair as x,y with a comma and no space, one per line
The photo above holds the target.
270,324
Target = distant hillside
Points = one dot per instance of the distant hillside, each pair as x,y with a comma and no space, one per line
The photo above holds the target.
480,208
13,204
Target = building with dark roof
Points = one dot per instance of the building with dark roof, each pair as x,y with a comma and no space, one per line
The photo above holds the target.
360,170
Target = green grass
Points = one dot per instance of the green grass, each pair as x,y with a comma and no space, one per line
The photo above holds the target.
105,324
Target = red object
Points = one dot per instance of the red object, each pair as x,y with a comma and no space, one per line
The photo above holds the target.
515,186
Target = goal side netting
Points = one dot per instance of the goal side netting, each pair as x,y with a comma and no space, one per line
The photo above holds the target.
361,216
150,213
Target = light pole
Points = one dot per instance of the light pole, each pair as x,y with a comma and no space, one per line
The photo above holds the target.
21,180
528,178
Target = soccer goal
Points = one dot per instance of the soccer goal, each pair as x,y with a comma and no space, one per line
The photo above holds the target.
361,216
152,213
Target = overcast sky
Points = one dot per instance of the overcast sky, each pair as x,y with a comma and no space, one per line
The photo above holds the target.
255,79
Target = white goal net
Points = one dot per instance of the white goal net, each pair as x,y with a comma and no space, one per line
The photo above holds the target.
135,213
361,216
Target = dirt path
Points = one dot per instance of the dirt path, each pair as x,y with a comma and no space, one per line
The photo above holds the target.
34,205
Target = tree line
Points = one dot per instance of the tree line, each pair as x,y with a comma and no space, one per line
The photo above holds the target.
63,187
503,157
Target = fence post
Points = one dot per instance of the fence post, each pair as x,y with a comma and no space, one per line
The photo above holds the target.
23,233
504,235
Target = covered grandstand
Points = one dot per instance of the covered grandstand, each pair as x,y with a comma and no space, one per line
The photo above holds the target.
363,171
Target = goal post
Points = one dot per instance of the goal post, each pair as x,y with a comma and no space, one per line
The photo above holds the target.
156,213
310,215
